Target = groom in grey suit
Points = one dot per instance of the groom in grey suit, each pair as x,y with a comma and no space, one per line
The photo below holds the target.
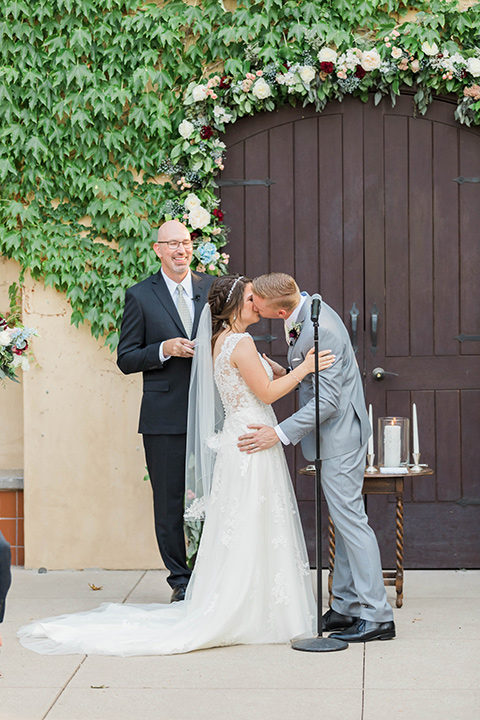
360,611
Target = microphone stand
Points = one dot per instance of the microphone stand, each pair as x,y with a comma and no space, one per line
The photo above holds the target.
319,643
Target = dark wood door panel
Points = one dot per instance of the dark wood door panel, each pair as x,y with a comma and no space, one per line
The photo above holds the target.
365,210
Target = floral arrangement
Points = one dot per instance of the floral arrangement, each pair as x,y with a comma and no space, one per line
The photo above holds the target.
14,340
321,74
13,348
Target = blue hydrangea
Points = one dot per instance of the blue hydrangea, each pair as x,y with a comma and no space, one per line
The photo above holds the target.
207,252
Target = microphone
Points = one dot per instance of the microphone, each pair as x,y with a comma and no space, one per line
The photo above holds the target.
315,310
196,298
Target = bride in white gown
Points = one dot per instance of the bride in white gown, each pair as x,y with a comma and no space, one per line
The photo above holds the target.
251,582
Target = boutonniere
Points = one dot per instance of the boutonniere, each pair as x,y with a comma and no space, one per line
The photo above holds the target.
294,332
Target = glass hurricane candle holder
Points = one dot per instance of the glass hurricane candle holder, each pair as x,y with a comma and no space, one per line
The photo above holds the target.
393,441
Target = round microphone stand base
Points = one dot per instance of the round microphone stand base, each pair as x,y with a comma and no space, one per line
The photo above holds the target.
319,644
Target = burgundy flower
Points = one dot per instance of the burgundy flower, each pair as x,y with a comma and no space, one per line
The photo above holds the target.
463,73
206,132
360,72
225,83
218,214
327,67
17,351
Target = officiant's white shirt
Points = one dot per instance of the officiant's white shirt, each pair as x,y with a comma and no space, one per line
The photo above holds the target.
187,294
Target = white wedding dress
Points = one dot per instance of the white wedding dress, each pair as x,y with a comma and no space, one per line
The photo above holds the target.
251,582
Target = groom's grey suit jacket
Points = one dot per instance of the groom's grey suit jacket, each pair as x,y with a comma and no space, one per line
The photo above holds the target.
344,424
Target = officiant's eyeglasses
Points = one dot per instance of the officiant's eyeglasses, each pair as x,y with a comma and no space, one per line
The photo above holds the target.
175,244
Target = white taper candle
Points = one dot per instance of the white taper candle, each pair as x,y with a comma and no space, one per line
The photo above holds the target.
416,446
370,449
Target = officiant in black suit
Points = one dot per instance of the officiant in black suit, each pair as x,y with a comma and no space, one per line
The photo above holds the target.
159,323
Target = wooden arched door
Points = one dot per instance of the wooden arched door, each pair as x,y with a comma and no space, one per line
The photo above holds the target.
364,209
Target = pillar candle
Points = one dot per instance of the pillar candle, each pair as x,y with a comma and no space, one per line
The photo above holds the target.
392,439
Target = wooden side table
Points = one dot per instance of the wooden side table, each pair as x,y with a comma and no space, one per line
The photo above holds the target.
378,484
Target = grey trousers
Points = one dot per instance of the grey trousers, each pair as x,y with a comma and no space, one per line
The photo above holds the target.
358,587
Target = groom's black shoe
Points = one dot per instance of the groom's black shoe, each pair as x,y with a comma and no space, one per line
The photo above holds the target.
365,630
178,593
333,620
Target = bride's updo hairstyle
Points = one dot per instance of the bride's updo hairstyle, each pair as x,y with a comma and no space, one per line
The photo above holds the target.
225,298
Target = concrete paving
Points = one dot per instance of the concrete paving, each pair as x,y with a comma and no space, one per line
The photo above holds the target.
431,671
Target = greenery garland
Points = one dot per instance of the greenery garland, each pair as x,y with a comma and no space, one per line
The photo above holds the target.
97,98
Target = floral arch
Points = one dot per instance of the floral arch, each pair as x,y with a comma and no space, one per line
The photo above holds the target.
113,114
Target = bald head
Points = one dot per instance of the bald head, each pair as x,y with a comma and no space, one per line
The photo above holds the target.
174,248
170,229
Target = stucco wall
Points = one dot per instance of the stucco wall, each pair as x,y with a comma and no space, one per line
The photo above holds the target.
86,504
11,395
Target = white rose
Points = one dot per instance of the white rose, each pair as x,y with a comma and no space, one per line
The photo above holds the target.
430,49
307,73
185,129
261,89
473,66
327,55
199,93
370,60
198,217
396,53
17,360
5,337
191,201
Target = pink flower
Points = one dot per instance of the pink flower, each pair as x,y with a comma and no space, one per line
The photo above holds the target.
211,267
395,33
250,76
388,44
246,85
259,73
191,495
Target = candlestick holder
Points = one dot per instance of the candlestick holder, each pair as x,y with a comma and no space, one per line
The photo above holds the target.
371,467
416,467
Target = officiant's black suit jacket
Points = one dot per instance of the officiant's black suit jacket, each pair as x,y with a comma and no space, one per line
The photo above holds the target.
149,318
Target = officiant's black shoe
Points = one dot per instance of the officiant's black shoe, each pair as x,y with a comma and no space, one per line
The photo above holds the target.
178,593
366,630
333,620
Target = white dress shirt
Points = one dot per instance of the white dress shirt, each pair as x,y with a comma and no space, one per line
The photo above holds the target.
187,294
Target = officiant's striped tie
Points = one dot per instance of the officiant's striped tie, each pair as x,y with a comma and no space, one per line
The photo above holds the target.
184,311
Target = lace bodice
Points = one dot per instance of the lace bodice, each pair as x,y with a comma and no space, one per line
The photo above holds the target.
235,394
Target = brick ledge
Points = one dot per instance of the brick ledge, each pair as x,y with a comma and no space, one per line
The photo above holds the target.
11,479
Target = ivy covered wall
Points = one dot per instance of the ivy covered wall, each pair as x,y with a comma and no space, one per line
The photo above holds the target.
108,123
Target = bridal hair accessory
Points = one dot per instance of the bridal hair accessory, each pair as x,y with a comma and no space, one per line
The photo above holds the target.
232,289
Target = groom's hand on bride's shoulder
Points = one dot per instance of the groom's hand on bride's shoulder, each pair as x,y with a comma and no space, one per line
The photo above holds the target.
262,437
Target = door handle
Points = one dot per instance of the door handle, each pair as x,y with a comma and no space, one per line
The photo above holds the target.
354,317
379,374
374,312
